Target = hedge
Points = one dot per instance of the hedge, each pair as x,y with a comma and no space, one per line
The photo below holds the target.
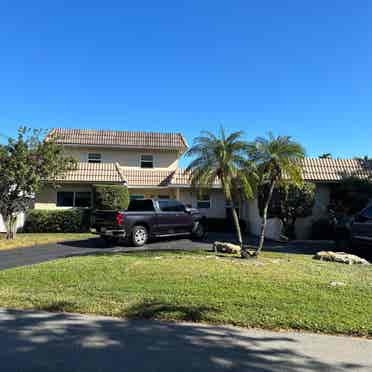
57,221
110,197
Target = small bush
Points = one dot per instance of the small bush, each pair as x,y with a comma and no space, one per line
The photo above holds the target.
57,221
224,225
322,229
111,197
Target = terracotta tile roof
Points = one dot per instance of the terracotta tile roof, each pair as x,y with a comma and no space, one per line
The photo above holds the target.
146,177
91,172
333,170
124,139
316,170
182,178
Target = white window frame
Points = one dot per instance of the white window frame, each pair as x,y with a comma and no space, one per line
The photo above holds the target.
96,157
147,161
203,199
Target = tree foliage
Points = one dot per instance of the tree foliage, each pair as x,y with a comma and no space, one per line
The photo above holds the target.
222,157
326,155
111,197
278,162
26,163
288,203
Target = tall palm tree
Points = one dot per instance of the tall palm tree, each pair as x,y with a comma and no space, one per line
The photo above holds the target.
221,157
277,160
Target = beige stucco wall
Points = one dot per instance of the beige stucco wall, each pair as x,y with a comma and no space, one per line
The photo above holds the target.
217,198
322,198
20,222
126,157
253,219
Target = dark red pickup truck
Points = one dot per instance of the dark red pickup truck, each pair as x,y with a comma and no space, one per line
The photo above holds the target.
146,218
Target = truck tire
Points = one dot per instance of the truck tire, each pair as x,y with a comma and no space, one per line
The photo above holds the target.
140,235
199,231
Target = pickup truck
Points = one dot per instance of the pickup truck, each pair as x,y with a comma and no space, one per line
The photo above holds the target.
147,218
361,229
355,232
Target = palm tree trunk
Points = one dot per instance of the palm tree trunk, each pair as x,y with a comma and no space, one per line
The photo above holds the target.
237,226
264,219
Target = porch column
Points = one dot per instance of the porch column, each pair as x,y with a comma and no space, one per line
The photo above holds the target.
178,194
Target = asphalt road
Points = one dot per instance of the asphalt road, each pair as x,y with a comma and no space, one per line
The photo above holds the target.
33,341
46,252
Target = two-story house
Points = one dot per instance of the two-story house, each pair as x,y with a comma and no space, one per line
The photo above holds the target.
146,162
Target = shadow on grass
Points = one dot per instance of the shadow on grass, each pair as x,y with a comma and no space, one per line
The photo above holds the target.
159,310
57,306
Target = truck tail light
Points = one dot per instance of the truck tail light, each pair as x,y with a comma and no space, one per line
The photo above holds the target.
119,218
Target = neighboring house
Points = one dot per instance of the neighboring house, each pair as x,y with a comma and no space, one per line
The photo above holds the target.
148,164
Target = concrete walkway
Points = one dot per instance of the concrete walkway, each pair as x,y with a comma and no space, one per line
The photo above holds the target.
40,341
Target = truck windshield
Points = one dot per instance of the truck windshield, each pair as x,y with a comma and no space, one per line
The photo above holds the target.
138,205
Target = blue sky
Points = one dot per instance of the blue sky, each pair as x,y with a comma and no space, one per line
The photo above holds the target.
292,67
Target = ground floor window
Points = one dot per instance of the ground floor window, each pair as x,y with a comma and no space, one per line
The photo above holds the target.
204,202
74,199
136,196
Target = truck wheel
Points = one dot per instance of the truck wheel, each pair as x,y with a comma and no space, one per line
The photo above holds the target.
199,231
139,236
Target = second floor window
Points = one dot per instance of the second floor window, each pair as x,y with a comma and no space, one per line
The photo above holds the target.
147,161
94,157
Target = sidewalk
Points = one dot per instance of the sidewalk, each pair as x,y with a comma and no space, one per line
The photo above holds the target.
41,341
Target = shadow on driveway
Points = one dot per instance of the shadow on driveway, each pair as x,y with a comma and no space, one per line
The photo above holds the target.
41,341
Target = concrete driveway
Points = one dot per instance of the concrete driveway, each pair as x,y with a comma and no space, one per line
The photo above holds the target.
46,252
41,341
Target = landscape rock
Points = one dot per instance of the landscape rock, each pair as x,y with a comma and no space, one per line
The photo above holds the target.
225,247
341,257
337,284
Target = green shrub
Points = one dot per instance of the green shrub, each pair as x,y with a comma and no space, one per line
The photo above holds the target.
57,221
224,225
111,197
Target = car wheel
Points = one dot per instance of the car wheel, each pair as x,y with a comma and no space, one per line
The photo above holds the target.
139,236
199,231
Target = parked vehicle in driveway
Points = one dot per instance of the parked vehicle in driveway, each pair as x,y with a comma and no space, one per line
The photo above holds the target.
147,218
354,232
361,228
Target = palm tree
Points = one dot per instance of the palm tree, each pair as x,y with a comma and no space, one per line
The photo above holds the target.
277,160
221,157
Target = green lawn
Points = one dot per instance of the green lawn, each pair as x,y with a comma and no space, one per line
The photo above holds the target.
26,240
277,291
